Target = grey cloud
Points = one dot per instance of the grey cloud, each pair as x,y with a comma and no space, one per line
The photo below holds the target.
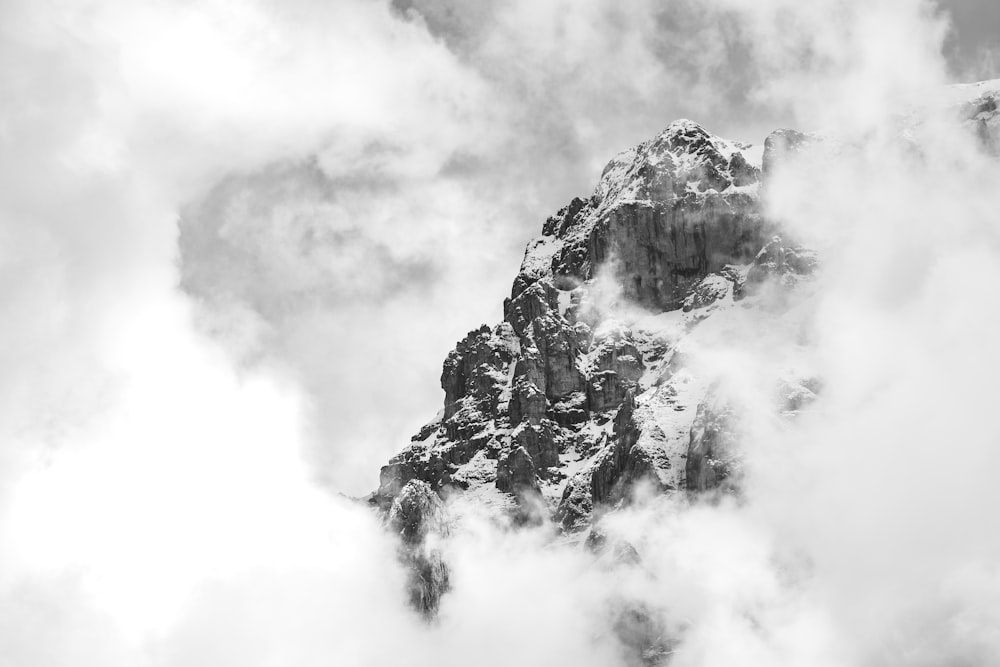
348,277
428,215
282,238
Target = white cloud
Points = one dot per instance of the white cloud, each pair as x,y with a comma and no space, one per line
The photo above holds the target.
156,507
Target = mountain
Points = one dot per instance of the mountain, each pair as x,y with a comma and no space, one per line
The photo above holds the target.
565,399
590,389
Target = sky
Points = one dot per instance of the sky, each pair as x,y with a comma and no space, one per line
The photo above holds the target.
239,238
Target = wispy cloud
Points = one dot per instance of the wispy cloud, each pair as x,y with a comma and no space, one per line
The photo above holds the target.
335,193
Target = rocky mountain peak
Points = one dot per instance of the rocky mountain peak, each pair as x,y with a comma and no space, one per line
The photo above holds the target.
565,405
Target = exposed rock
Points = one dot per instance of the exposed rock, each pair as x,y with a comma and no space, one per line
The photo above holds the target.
610,465
605,391
639,629
417,515
533,302
516,472
784,263
477,367
557,349
661,254
591,388
615,368
713,451
527,402
642,634
795,394
978,110
713,287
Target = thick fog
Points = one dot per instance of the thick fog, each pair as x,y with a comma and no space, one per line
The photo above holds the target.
239,239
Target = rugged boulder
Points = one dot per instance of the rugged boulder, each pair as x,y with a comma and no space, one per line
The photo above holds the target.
664,215
978,106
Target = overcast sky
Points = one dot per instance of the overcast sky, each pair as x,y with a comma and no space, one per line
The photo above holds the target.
237,240
354,182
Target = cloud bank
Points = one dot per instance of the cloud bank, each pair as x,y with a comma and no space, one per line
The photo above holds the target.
237,233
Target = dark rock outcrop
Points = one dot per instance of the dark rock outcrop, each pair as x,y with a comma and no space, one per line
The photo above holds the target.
782,143
516,472
417,516
552,402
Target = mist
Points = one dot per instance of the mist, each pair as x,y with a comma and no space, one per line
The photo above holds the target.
239,238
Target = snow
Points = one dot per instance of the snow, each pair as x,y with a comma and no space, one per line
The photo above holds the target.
538,255
754,155
752,190
966,92
565,301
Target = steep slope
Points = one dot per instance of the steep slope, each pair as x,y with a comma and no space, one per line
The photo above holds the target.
581,392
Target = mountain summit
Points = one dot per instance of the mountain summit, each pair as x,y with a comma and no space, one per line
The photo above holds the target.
590,391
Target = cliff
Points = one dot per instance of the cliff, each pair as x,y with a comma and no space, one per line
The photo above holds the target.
589,392
581,392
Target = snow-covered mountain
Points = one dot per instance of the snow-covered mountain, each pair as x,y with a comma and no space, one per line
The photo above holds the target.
590,387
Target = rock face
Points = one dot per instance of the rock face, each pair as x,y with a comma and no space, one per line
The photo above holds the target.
417,516
591,391
568,402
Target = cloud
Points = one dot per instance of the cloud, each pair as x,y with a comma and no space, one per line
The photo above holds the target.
340,190
972,42
900,327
